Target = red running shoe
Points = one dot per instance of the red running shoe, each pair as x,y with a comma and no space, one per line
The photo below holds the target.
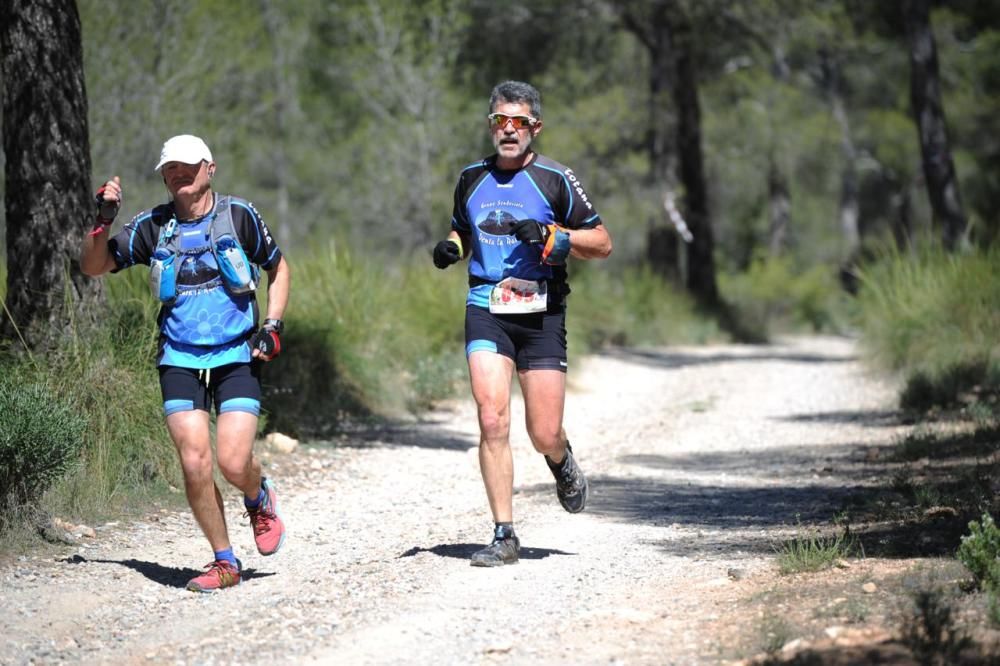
218,575
268,530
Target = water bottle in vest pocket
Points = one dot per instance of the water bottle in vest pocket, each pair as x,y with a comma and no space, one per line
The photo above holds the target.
163,275
234,266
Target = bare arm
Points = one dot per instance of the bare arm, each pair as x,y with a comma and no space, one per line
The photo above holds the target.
279,282
593,243
95,259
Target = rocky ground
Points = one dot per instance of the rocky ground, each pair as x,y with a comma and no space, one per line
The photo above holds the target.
702,461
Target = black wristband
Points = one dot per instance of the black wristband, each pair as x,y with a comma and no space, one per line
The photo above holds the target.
275,325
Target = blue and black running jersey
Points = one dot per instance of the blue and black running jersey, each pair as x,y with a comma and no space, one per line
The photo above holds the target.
205,326
489,201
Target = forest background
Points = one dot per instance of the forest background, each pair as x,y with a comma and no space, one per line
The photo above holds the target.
759,164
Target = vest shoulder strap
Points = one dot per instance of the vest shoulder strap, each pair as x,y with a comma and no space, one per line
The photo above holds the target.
222,222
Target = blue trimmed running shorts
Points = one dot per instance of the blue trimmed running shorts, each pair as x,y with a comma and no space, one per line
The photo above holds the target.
232,388
535,341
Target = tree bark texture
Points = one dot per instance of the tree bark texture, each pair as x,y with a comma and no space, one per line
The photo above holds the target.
928,114
701,262
779,208
45,140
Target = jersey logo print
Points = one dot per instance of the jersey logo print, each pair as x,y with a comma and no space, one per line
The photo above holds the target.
497,223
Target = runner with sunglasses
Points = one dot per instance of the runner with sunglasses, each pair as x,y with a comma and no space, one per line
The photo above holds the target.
518,216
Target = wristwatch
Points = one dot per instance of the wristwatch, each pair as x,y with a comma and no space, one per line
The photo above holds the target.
275,325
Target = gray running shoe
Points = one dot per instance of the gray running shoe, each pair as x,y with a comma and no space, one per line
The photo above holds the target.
571,485
498,553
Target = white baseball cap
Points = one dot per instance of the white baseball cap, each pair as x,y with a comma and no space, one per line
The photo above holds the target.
184,148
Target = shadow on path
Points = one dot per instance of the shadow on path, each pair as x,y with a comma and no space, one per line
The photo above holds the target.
428,433
464,551
167,576
866,417
735,500
782,487
671,359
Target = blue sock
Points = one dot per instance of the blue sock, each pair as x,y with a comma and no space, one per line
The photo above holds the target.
253,504
226,555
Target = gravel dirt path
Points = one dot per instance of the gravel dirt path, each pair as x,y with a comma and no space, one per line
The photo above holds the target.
700,459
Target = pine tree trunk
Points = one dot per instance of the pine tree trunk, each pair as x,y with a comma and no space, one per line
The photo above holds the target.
648,23
779,208
701,261
928,113
47,149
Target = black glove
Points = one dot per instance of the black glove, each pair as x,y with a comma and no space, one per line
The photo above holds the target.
107,210
267,341
446,253
530,231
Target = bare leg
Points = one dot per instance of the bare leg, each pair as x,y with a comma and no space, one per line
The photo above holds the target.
544,400
190,433
490,375
235,432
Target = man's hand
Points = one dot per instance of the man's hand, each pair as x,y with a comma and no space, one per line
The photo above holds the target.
446,253
531,232
107,200
554,240
265,343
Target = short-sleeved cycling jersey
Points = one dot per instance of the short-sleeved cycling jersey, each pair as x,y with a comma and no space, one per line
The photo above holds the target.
205,326
489,201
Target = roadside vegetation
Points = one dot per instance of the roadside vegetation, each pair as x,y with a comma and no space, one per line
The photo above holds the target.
929,319
812,551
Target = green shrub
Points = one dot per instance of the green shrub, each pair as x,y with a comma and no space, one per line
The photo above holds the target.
934,317
979,552
365,338
774,294
635,307
41,437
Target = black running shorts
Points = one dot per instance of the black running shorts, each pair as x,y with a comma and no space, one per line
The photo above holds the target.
232,388
535,341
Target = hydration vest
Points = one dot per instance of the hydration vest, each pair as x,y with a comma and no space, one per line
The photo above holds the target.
236,273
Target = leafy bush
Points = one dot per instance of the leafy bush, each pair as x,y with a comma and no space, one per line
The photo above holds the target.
41,437
979,552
